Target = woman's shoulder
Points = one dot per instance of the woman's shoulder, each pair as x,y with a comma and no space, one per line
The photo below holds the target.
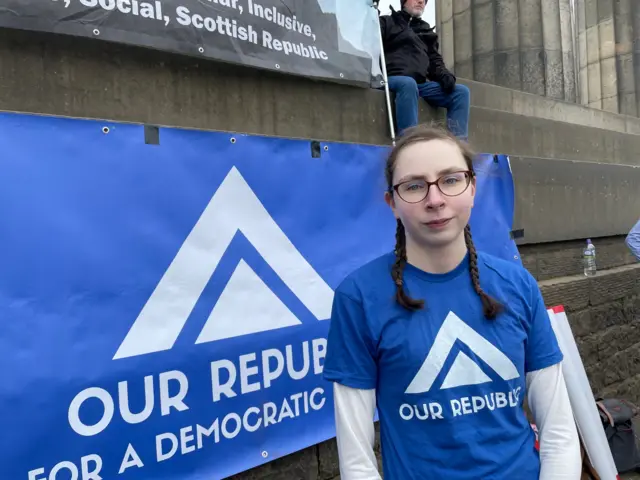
502,270
369,278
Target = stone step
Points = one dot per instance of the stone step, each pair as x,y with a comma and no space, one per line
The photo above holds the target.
548,261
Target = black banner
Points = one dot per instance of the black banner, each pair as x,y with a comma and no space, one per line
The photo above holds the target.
301,37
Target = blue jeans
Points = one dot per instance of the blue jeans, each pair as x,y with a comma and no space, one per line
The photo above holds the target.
407,93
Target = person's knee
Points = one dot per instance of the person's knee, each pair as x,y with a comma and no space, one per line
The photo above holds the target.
462,92
403,85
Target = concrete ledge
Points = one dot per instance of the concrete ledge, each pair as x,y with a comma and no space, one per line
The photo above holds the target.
495,131
559,259
521,103
560,200
579,292
56,75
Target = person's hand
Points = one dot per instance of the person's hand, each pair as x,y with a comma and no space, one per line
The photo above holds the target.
448,82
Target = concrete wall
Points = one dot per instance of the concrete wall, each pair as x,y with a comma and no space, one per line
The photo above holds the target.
60,76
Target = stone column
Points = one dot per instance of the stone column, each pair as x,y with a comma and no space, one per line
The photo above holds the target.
594,77
635,14
624,37
521,44
483,17
567,34
552,42
507,43
463,38
444,20
583,77
531,46
609,77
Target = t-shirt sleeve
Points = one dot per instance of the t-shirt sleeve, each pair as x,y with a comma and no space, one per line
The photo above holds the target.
350,358
542,348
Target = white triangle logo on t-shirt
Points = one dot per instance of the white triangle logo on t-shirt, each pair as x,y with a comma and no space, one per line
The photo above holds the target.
464,371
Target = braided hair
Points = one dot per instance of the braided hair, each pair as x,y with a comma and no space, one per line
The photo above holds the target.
422,133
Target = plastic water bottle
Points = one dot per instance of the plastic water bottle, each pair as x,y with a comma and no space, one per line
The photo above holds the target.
589,257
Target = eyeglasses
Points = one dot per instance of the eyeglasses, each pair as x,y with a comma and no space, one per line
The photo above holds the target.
451,185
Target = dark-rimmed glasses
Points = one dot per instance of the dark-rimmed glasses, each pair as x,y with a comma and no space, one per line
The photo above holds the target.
451,185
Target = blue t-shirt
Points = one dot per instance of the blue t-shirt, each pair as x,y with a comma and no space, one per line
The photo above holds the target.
449,383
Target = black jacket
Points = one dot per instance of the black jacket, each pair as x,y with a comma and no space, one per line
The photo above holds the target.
411,48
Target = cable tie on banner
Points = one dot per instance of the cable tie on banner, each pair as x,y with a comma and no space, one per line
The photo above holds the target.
316,152
151,135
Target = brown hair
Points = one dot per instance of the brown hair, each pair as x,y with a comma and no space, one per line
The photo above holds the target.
425,133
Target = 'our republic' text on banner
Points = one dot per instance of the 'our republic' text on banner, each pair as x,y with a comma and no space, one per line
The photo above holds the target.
164,307
325,39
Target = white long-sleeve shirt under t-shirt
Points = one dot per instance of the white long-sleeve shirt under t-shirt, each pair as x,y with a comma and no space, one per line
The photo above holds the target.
548,401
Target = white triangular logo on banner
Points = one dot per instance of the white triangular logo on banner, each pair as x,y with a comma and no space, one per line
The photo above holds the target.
234,206
246,306
464,371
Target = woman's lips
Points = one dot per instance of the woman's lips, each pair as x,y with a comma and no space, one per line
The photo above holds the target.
439,223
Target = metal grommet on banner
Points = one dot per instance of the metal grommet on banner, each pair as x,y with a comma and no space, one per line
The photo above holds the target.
326,148
201,49
277,65
233,140
96,31
265,454
105,130
342,75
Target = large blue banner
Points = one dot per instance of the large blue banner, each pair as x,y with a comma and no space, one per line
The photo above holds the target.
164,305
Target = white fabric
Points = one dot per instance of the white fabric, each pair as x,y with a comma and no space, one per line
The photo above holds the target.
548,400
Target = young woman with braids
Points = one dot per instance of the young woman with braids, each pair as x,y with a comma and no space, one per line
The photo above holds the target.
446,342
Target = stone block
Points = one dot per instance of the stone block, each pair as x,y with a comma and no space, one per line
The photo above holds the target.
573,293
595,84
483,31
506,25
329,466
507,65
484,68
302,465
593,45
616,368
529,262
615,284
463,39
580,323
596,320
607,38
629,389
615,339
631,308
533,74
588,348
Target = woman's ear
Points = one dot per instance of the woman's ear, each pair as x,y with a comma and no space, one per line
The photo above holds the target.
388,198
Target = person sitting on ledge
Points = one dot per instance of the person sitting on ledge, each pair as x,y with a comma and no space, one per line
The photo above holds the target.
416,69
633,240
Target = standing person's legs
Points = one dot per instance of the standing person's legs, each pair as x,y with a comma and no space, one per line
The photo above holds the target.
457,104
407,95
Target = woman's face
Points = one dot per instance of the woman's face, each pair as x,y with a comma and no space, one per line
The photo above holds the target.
438,219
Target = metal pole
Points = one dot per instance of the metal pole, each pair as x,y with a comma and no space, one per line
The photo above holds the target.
392,129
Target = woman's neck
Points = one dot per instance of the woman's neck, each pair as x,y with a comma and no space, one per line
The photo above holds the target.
437,259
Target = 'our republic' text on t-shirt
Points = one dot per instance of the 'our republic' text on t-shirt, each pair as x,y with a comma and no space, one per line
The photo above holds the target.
449,383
